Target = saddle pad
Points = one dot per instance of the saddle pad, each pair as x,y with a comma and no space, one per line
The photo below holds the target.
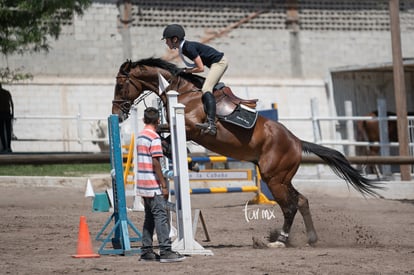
241,116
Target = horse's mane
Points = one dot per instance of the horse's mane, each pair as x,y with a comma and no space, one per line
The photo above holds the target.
156,62
172,68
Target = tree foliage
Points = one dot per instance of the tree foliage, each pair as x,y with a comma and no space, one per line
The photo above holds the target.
28,26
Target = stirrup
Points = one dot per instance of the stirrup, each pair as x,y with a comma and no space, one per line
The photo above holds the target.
207,128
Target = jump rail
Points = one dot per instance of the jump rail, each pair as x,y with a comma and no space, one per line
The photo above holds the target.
215,190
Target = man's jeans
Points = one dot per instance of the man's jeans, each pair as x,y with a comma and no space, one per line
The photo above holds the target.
156,217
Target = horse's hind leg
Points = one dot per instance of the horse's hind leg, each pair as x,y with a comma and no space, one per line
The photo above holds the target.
290,200
304,210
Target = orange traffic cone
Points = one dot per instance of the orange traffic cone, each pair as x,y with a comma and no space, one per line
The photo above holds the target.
84,242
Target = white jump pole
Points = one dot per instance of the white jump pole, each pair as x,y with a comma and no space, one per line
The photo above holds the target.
137,205
185,242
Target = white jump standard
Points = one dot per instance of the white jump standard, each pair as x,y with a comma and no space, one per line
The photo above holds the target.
185,242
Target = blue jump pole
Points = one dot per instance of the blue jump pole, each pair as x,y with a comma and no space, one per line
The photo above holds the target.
121,241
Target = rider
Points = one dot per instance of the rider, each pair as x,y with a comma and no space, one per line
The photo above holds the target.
202,55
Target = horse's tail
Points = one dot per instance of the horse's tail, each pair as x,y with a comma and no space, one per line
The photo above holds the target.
341,166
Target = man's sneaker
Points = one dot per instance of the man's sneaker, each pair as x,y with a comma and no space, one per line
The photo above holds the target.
169,206
150,256
171,256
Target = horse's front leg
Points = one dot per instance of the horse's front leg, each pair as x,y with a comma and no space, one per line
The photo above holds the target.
167,151
287,198
163,128
290,200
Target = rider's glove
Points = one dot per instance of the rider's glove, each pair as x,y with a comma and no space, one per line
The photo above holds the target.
180,71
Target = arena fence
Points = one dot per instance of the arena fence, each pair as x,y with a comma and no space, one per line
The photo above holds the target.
83,137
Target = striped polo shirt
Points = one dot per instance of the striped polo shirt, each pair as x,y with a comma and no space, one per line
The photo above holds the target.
148,147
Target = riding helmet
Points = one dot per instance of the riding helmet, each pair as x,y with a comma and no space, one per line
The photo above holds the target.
173,30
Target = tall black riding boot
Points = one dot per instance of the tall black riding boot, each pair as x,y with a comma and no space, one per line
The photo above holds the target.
209,126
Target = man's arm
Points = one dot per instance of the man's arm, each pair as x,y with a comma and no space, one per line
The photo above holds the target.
157,169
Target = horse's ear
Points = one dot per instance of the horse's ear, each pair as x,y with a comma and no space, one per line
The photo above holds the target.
129,65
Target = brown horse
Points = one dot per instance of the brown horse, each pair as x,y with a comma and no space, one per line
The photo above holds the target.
269,145
368,130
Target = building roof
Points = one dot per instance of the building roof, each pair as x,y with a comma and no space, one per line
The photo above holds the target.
408,64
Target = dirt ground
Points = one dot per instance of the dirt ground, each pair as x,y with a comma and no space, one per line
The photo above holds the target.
39,232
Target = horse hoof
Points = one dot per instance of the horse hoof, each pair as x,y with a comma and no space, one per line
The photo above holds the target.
312,238
276,244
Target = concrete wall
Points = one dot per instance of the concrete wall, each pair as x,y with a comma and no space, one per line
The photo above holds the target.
50,108
268,61
92,46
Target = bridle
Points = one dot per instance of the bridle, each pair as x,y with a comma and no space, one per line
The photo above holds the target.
125,104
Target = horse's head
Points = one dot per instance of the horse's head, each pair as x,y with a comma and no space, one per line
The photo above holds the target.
125,93
134,78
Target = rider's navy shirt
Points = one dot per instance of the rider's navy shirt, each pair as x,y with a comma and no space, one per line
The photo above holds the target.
208,55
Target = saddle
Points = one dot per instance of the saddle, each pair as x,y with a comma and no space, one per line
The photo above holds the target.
230,108
233,109
227,101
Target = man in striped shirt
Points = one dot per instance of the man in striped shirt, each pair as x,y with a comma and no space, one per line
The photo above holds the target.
152,186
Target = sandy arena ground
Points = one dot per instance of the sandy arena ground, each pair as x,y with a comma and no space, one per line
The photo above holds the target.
39,231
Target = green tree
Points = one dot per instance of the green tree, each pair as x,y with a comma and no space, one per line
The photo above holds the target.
28,26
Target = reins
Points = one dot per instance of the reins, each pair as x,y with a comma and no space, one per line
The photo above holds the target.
125,104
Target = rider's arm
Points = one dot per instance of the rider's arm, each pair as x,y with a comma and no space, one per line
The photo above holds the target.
199,66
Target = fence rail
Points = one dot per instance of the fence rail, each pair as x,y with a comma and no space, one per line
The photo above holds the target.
72,158
351,141
81,135
78,119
